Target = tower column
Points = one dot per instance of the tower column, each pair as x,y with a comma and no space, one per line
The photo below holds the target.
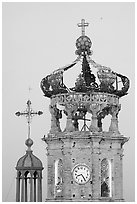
18,189
114,120
34,189
55,125
26,189
94,126
69,125
39,189
95,174
94,109
22,188
31,188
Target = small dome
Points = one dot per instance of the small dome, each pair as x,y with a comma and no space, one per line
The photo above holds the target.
29,161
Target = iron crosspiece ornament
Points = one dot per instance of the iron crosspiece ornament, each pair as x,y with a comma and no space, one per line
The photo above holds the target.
29,113
83,24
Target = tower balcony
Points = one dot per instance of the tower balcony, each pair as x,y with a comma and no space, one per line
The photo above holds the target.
76,106
84,99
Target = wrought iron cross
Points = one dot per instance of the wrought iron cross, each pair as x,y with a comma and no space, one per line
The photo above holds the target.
29,113
83,24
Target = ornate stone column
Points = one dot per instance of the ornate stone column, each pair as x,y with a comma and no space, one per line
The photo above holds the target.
55,126
69,109
114,110
94,109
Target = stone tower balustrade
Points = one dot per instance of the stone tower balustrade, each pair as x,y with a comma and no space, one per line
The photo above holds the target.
95,103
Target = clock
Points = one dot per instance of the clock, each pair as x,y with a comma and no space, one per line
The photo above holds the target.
81,174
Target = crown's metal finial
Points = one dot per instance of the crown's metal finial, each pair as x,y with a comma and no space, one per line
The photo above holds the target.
83,24
29,113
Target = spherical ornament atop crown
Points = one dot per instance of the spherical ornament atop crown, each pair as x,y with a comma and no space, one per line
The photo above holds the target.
83,43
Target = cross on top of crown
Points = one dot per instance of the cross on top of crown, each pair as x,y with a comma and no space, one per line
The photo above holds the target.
83,24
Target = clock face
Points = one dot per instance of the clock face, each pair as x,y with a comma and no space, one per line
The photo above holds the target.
81,174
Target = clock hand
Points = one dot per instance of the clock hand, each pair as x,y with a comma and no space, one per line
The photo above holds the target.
78,175
83,177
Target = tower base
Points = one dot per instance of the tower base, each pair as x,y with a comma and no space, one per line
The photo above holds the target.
89,200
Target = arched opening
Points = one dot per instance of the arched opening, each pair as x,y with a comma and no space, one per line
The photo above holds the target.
27,177
35,179
58,176
81,120
64,117
106,123
106,178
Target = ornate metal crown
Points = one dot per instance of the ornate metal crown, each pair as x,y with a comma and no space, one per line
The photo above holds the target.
53,84
99,99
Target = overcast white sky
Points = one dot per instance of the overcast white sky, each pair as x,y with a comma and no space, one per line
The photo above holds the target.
39,38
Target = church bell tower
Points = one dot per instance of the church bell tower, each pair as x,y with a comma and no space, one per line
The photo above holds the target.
85,164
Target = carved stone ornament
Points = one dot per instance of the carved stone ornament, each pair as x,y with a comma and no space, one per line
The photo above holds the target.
55,116
114,110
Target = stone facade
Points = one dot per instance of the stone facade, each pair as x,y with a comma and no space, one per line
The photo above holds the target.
84,148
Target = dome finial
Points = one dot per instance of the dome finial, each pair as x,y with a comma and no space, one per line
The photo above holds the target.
29,143
29,113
